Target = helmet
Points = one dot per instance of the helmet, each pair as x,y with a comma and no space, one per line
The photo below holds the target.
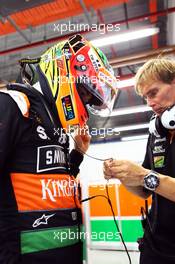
77,77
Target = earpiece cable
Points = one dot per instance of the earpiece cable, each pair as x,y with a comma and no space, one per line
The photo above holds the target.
84,153
106,197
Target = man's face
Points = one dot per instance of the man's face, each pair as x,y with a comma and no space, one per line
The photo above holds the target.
159,95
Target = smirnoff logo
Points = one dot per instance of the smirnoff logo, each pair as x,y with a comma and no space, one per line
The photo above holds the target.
50,157
53,189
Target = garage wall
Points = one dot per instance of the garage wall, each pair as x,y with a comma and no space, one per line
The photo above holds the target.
100,228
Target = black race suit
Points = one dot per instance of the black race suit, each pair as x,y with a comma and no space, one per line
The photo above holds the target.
159,245
39,218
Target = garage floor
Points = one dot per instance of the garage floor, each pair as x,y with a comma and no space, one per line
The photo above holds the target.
111,257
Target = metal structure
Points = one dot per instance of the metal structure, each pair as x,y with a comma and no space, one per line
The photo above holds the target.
28,27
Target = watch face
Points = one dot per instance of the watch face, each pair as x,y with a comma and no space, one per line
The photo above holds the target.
151,181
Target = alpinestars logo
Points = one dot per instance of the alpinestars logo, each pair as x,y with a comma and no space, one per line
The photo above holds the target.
43,220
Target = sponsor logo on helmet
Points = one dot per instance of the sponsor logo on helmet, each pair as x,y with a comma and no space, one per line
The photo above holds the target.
94,62
60,64
47,58
58,53
80,58
68,107
67,53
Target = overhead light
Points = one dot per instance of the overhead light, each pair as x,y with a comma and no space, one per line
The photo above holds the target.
125,83
130,110
131,127
139,137
126,36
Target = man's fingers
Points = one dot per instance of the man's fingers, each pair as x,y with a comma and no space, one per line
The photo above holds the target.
107,163
107,177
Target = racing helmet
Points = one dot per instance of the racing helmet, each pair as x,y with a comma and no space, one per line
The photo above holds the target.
78,77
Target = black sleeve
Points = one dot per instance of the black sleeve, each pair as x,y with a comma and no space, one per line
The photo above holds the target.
147,160
9,127
75,159
146,163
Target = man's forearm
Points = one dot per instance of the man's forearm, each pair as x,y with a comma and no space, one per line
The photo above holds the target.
166,187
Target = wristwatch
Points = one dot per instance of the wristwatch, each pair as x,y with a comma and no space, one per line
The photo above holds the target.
151,180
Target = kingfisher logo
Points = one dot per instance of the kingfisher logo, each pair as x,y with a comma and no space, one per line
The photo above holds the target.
53,189
68,107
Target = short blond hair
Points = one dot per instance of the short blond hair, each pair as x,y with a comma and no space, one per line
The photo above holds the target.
159,69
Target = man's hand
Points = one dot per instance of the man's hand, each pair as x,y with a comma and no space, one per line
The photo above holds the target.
82,139
128,172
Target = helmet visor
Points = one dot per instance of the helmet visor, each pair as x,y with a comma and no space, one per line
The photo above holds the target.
105,99
99,96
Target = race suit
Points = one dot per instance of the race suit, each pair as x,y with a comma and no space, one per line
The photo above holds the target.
39,210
